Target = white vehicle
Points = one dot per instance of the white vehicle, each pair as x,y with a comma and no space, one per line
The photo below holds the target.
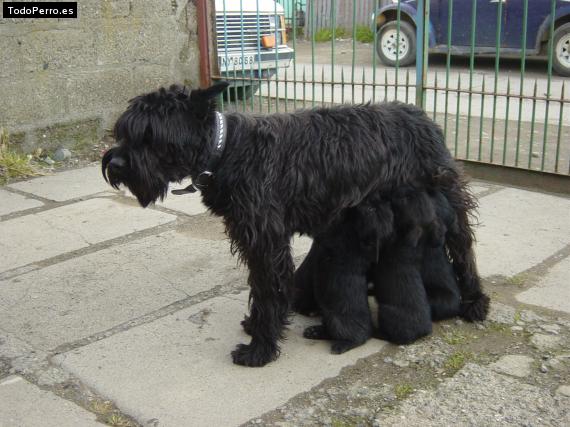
251,41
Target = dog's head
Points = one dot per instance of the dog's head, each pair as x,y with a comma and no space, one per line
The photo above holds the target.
160,138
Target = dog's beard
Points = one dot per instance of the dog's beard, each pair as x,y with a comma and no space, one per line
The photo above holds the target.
139,173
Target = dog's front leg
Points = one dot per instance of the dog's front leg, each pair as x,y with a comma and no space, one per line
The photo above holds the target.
271,276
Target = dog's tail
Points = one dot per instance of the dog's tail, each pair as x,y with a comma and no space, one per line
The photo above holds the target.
459,242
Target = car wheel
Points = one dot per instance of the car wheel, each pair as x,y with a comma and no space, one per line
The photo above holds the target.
386,44
561,56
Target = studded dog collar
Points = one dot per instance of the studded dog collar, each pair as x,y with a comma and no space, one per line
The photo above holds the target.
204,178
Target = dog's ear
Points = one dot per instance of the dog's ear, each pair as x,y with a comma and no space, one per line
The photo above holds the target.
209,93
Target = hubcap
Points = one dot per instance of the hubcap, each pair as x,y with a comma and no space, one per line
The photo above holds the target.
390,46
563,50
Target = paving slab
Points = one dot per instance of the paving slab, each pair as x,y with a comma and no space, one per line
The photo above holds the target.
178,371
85,295
477,189
32,238
477,396
189,204
519,229
66,185
553,290
12,202
25,405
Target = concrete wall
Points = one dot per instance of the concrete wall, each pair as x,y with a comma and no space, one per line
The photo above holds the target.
62,82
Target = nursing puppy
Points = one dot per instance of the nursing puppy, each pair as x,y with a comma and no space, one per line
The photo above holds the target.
436,269
403,309
336,270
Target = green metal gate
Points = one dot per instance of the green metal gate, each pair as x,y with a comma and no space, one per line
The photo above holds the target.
495,105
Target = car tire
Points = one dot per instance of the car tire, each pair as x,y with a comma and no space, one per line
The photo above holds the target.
386,43
561,54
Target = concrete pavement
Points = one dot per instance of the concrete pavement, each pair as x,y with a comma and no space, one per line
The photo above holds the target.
127,316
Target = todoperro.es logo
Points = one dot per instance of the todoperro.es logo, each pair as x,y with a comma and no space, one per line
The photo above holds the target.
46,9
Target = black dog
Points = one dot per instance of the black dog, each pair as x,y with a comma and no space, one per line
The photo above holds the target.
334,275
437,272
403,309
271,176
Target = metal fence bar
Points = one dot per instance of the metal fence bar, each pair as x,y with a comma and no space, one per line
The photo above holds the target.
471,67
333,26
495,86
353,48
480,148
374,53
447,63
521,89
313,50
558,137
422,51
505,137
398,20
549,79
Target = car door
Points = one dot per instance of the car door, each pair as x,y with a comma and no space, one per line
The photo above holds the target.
538,10
485,23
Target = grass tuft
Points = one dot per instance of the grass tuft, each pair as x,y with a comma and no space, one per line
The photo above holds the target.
326,34
517,280
403,390
455,338
364,34
457,361
13,164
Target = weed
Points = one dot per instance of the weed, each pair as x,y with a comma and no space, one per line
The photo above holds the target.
497,327
403,390
517,280
101,407
12,164
352,422
326,34
456,361
364,34
454,338
117,420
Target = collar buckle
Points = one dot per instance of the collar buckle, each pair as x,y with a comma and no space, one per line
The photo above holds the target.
205,178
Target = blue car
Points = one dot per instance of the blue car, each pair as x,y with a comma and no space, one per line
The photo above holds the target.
538,29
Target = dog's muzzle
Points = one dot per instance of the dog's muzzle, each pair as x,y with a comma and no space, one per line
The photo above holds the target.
112,166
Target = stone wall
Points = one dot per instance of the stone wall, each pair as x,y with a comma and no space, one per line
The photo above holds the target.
63,82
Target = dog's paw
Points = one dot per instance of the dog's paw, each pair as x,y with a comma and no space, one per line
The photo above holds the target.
253,355
339,347
316,332
475,309
246,324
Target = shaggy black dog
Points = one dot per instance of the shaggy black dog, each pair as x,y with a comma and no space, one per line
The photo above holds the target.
270,176
403,309
436,270
334,275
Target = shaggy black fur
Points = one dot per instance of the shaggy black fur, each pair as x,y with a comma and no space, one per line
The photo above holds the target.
283,173
437,272
403,309
336,270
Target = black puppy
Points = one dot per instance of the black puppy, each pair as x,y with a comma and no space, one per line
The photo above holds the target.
403,310
333,277
436,271
271,176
